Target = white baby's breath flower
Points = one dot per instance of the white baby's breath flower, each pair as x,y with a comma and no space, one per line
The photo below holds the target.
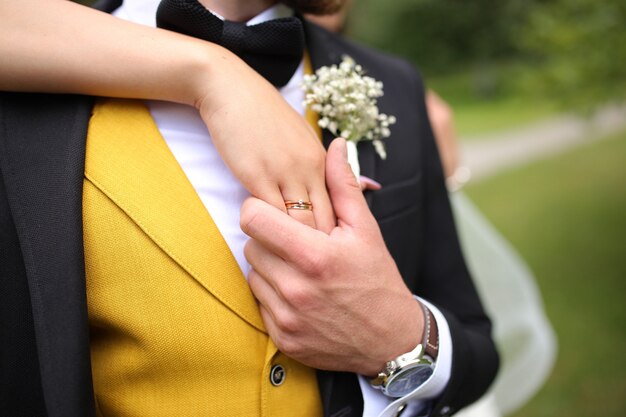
380,148
345,99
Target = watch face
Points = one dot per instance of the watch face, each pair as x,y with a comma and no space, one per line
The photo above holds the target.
407,380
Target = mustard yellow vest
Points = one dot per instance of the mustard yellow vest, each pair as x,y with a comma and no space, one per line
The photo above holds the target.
175,330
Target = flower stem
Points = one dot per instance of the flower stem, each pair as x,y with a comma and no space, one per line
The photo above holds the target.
353,159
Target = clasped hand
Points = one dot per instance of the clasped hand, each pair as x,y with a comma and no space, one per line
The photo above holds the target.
331,301
267,145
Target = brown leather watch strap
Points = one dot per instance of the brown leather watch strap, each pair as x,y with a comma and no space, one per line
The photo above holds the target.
431,334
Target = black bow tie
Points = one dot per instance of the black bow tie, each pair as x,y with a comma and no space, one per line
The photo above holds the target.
274,48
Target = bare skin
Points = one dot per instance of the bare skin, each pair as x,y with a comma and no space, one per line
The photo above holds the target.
332,301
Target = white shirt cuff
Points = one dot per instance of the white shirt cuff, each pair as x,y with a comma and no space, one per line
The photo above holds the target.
377,404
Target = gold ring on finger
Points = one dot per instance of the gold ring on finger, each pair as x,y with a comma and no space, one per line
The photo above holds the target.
298,205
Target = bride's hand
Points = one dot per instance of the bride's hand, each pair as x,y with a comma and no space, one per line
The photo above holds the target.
267,145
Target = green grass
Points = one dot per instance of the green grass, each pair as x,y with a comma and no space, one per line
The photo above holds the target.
492,99
487,116
500,114
567,217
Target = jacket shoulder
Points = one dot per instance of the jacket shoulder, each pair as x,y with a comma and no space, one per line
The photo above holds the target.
378,64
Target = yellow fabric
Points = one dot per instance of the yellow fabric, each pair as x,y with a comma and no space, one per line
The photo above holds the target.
174,327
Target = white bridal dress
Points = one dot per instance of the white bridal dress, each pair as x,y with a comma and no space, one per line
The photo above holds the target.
525,339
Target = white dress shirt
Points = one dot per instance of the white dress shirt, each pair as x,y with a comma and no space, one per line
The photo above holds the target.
222,195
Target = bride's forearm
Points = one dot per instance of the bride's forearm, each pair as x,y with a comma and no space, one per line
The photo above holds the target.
58,46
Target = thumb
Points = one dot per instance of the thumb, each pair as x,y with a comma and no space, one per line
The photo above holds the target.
344,190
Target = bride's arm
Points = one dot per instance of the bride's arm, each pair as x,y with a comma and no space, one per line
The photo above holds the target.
57,46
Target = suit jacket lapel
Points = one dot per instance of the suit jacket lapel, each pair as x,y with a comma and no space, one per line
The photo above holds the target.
322,53
129,161
42,161
324,50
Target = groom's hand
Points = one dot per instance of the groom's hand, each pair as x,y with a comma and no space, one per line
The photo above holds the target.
331,301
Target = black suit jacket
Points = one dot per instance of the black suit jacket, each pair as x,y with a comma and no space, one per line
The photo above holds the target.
44,341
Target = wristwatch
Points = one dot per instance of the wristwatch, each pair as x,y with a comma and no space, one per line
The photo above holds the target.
406,372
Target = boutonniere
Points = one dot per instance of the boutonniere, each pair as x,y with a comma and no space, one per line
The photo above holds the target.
345,100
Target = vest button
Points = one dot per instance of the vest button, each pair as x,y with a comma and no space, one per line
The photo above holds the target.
277,375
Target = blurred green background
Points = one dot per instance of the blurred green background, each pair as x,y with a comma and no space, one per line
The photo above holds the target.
505,66
518,60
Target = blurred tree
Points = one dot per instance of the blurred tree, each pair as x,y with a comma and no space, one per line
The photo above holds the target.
573,51
580,49
441,35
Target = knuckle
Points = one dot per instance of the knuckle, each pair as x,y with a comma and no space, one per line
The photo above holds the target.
318,159
313,262
287,322
249,216
314,259
253,281
297,295
249,251
313,160
289,346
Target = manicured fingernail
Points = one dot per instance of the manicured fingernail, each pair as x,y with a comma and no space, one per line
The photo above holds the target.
370,184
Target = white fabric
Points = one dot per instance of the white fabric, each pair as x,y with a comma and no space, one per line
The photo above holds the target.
383,406
521,330
222,194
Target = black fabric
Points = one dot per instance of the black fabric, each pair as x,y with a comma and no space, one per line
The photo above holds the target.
42,147
108,6
274,48
341,394
20,386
